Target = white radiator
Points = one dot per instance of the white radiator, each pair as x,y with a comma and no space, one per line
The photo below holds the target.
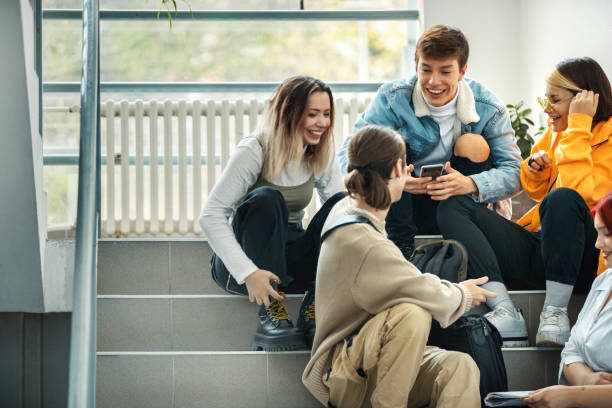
162,159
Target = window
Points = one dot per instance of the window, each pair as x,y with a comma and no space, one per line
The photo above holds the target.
207,51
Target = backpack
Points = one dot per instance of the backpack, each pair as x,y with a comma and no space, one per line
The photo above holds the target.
445,258
471,334
474,335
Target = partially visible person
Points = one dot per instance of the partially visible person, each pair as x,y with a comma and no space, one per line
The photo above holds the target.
374,308
586,361
552,246
265,187
431,111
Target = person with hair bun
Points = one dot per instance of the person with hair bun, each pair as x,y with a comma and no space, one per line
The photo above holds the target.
585,371
374,308
552,246
264,189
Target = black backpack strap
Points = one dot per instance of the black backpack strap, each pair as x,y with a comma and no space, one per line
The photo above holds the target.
346,220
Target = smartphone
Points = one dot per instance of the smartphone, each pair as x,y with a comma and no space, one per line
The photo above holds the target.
432,170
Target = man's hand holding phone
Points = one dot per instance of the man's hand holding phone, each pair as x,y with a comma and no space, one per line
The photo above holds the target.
451,184
432,170
416,185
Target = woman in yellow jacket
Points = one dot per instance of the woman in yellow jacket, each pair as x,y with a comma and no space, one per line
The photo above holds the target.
552,246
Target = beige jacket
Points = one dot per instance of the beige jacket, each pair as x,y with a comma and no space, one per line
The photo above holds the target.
361,273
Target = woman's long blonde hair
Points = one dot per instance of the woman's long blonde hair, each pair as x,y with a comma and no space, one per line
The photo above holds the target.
280,135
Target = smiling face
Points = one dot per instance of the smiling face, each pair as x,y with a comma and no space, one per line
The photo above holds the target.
439,79
317,118
558,109
604,241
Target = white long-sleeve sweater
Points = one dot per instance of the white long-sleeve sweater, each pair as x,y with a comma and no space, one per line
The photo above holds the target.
241,172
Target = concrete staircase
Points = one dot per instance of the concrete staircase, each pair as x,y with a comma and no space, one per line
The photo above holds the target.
169,337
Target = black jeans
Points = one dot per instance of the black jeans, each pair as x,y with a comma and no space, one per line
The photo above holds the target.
562,251
263,231
416,213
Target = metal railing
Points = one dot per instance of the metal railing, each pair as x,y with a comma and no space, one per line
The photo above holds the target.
250,15
201,87
83,342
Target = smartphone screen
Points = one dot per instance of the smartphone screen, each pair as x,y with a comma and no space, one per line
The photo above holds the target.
432,170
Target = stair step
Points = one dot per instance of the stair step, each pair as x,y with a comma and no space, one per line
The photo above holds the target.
170,337
159,267
250,379
220,322
154,267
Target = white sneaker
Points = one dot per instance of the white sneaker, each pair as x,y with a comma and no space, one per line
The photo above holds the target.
554,328
511,325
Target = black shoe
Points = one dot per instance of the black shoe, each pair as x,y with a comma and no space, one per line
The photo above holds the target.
306,321
275,331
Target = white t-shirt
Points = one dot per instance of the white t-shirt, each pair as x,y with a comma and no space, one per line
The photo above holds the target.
589,341
445,116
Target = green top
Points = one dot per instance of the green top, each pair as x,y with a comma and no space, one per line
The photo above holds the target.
296,197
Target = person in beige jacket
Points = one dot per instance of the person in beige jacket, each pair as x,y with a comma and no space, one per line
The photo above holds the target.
374,308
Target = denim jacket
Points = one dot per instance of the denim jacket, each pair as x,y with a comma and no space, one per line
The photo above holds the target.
399,106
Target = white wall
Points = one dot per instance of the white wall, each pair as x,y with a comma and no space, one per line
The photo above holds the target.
560,29
491,29
22,206
514,44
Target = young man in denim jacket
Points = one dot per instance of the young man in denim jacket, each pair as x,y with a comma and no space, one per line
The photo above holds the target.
433,110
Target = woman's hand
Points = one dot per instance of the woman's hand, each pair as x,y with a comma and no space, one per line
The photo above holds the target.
260,290
584,102
539,161
597,378
579,373
479,295
557,396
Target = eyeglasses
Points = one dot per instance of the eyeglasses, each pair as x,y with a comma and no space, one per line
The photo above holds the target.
545,103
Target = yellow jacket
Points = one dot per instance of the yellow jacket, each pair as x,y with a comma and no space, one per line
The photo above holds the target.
581,160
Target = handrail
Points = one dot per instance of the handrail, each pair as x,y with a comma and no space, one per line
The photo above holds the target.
224,15
83,342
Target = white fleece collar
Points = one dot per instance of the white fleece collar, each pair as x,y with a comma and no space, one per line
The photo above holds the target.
466,105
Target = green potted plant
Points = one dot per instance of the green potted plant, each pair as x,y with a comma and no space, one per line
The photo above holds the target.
521,123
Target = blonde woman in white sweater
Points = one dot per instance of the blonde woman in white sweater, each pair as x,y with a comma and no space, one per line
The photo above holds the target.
264,189
374,308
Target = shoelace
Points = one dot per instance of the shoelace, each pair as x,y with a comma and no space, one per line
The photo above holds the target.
310,311
499,312
552,314
277,309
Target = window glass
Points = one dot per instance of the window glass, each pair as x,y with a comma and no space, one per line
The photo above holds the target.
230,51
206,51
